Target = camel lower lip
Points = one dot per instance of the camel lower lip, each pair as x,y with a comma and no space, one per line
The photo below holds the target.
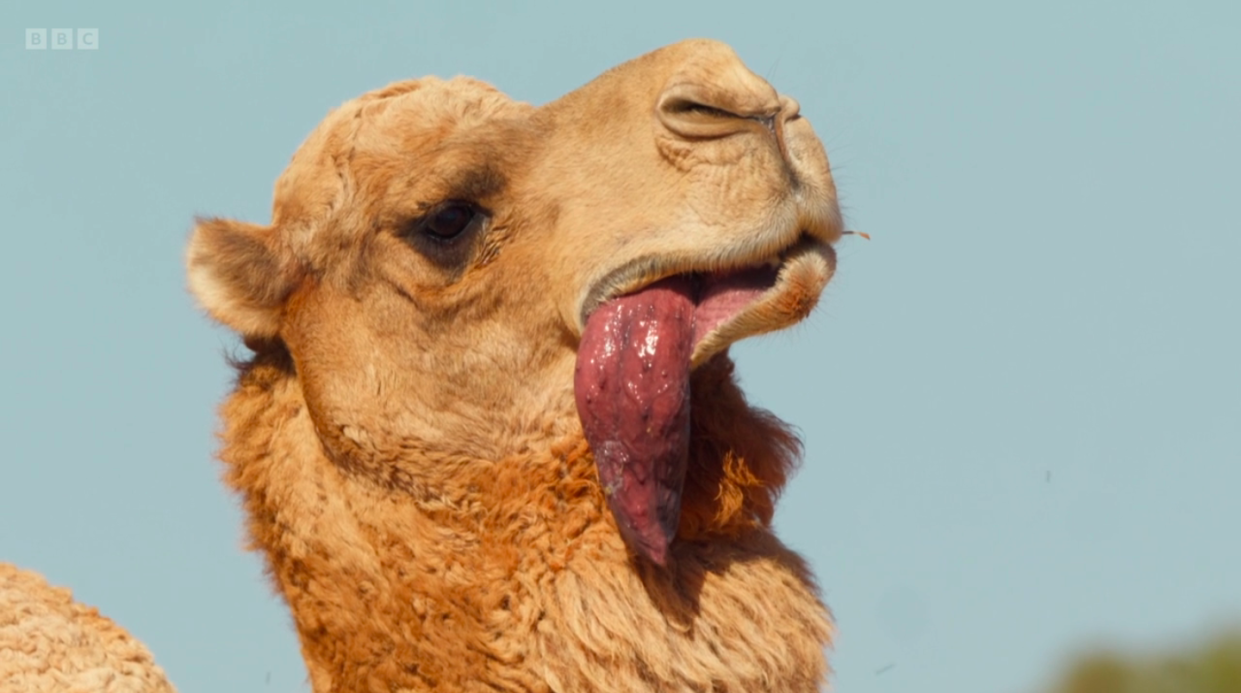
721,296
792,293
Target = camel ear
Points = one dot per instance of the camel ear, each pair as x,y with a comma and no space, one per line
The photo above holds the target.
241,274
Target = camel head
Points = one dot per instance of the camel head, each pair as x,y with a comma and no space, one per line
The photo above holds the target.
459,277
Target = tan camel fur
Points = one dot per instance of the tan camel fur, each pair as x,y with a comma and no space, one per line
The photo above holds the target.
52,644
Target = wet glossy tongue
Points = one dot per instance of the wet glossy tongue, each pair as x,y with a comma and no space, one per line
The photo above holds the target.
632,391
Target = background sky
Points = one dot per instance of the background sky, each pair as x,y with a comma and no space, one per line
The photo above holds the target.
1021,401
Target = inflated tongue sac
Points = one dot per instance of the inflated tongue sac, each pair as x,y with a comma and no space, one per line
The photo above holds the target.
632,390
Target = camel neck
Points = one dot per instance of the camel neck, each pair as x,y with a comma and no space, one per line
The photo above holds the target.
516,580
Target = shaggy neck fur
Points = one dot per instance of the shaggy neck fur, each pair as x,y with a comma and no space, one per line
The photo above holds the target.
516,579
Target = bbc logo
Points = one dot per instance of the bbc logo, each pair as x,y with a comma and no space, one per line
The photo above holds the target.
62,39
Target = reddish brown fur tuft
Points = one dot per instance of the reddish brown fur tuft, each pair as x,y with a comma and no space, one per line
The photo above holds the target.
740,458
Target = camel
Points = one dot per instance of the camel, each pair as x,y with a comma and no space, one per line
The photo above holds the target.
49,642
490,436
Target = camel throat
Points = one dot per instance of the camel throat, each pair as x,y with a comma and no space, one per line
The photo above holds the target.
632,391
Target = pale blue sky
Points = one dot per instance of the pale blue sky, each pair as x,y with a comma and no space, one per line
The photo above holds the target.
1052,288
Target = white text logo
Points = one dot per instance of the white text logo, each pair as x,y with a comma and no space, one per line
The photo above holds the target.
62,39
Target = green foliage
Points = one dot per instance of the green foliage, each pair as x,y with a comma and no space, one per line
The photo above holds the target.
1212,668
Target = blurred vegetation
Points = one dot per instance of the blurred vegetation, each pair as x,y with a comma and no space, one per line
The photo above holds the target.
1213,667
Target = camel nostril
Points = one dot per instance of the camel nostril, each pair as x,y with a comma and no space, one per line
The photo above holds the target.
697,113
687,106
693,117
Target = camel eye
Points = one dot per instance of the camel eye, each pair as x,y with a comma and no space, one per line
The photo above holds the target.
449,221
